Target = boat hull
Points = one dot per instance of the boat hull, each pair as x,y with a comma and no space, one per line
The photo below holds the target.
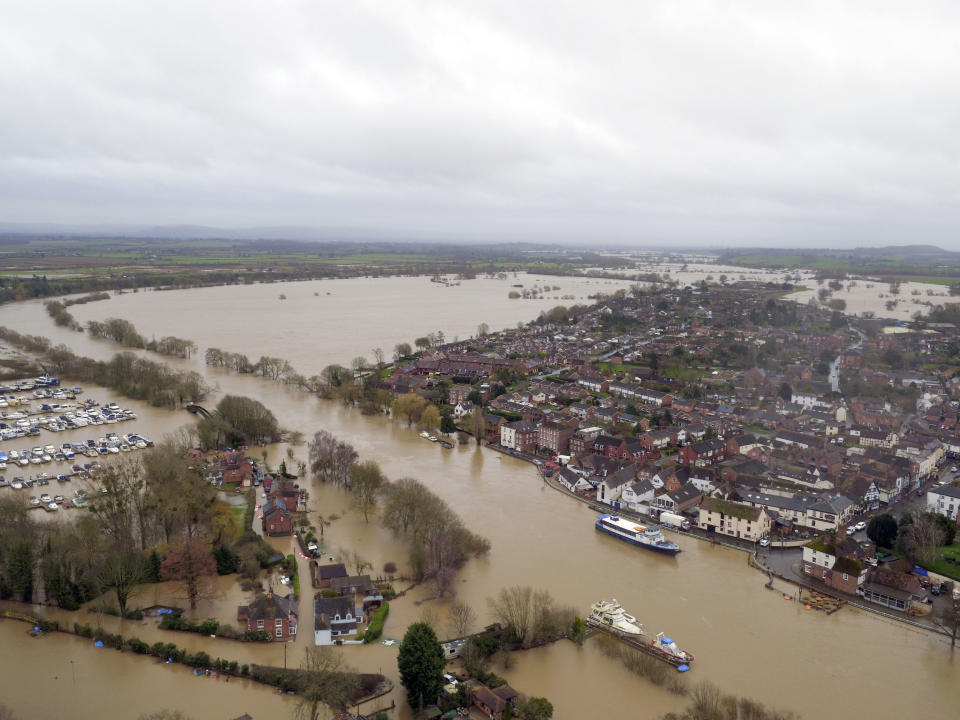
646,546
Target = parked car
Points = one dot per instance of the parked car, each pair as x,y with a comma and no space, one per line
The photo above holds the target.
934,589
862,525
851,530
764,541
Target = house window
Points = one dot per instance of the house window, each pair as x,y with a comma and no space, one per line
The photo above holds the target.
278,623
260,624
279,632
846,577
824,573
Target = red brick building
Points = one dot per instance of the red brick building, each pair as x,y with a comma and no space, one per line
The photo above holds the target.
271,614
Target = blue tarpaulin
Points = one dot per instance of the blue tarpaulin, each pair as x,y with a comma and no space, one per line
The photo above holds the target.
98,643
920,571
683,668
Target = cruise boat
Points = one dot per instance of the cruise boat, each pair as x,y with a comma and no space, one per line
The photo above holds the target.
609,612
646,536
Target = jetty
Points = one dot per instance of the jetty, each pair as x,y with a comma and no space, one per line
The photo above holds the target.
636,642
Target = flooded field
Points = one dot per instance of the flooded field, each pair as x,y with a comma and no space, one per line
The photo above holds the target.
747,639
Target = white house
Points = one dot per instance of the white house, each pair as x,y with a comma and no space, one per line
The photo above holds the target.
335,619
944,501
508,436
462,409
637,494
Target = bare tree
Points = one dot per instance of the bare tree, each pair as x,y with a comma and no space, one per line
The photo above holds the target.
948,619
329,681
366,482
122,571
331,459
462,619
353,558
378,357
921,538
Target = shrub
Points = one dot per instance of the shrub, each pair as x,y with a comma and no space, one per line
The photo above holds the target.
138,646
255,636
244,669
208,627
83,630
201,659
375,629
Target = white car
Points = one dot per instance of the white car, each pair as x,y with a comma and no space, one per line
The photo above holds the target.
764,541
862,525
851,530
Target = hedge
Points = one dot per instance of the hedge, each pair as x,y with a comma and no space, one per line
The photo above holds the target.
375,628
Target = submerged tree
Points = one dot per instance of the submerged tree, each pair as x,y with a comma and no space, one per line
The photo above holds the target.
189,563
328,681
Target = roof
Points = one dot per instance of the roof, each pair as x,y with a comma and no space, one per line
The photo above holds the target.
684,492
947,491
737,510
270,607
324,609
488,698
362,582
329,572
274,505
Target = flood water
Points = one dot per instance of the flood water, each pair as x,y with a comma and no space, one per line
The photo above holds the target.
747,639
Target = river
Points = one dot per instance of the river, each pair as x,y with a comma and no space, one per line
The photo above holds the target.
747,639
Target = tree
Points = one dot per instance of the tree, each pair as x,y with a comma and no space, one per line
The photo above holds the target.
462,619
189,563
477,425
329,681
378,357
537,708
122,571
408,406
401,350
447,425
483,330
238,419
330,459
420,661
948,619
443,559
785,392
366,481
429,418
921,538
578,630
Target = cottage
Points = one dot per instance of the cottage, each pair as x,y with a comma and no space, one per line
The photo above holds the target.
334,619
276,519
836,560
271,614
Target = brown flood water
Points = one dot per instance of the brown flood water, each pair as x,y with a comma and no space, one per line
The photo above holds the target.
746,639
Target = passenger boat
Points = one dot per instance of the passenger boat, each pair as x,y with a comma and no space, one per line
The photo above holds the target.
646,536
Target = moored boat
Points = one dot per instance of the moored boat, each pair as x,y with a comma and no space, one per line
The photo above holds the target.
635,533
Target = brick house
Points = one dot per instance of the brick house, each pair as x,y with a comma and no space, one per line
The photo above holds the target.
325,574
836,560
276,519
493,703
271,614
707,452
554,436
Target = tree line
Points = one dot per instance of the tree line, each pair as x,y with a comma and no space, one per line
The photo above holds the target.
131,376
439,542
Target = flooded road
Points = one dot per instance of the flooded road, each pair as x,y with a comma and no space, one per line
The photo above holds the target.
747,639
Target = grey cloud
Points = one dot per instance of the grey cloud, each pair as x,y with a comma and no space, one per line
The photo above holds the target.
815,123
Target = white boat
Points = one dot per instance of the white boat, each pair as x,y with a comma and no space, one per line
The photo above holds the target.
424,434
610,612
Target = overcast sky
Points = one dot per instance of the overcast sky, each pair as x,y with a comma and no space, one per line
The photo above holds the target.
726,123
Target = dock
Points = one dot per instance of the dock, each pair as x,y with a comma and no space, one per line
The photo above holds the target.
634,643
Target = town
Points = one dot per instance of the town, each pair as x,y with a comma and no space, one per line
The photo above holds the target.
736,415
